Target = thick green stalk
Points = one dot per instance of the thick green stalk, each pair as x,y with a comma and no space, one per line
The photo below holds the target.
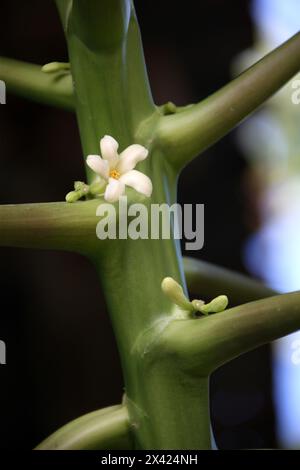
53,225
107,428
206,343
112,94
188,133
29,81
117,101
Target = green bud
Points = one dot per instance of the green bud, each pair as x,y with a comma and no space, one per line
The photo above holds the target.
81,189
197,304
73,196
53,67
81,186
97,187
215,306
168,108
175,293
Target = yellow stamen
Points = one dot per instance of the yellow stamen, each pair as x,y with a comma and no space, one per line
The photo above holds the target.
114,174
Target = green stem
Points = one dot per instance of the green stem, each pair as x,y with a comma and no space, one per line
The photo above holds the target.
204,344
103,429
190,132
117,101
28,80
207,281
54,225
175,404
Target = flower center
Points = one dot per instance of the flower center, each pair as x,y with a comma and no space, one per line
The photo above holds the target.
114,174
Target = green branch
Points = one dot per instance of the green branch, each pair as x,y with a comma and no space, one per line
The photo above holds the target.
204,344
55,225
103,429
28,80
184,135
207,281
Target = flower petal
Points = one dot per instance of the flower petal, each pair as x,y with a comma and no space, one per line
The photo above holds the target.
98,165
114,190
109,150
130,157
138,181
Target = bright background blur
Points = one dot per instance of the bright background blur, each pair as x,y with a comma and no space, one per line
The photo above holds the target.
62,357
271,141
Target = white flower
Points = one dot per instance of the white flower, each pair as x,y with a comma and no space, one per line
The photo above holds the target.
118,170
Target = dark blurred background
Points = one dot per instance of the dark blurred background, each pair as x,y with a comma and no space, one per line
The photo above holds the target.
61,354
